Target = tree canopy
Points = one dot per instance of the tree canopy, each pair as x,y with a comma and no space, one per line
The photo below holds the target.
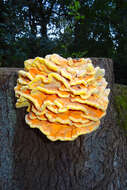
76,28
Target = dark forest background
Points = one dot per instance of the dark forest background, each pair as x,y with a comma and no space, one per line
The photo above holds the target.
76,28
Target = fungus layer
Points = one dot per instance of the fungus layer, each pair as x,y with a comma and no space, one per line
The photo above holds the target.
65,97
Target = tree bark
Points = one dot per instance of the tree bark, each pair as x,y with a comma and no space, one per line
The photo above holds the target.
29,161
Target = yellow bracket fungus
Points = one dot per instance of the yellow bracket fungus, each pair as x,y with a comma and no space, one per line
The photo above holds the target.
65,97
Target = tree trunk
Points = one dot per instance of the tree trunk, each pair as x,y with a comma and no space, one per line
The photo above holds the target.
29,161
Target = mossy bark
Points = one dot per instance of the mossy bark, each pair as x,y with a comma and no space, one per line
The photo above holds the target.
30,161
121,105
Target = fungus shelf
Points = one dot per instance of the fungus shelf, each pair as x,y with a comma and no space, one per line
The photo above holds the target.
65,97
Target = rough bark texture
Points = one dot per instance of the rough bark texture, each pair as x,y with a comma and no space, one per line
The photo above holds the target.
30,161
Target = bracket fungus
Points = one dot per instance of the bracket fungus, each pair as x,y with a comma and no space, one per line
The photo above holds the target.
65,98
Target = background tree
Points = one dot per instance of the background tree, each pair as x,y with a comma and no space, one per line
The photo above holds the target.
74,28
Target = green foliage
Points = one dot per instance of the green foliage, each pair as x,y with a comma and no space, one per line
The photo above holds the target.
79,54
75,10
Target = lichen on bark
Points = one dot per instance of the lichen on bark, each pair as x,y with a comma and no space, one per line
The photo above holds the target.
120,96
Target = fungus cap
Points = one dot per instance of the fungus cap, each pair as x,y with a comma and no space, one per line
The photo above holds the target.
65,97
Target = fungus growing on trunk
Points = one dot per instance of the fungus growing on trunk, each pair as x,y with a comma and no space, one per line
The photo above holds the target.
65,97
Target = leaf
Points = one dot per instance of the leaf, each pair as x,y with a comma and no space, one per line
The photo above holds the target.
77,5
77,17
82,17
